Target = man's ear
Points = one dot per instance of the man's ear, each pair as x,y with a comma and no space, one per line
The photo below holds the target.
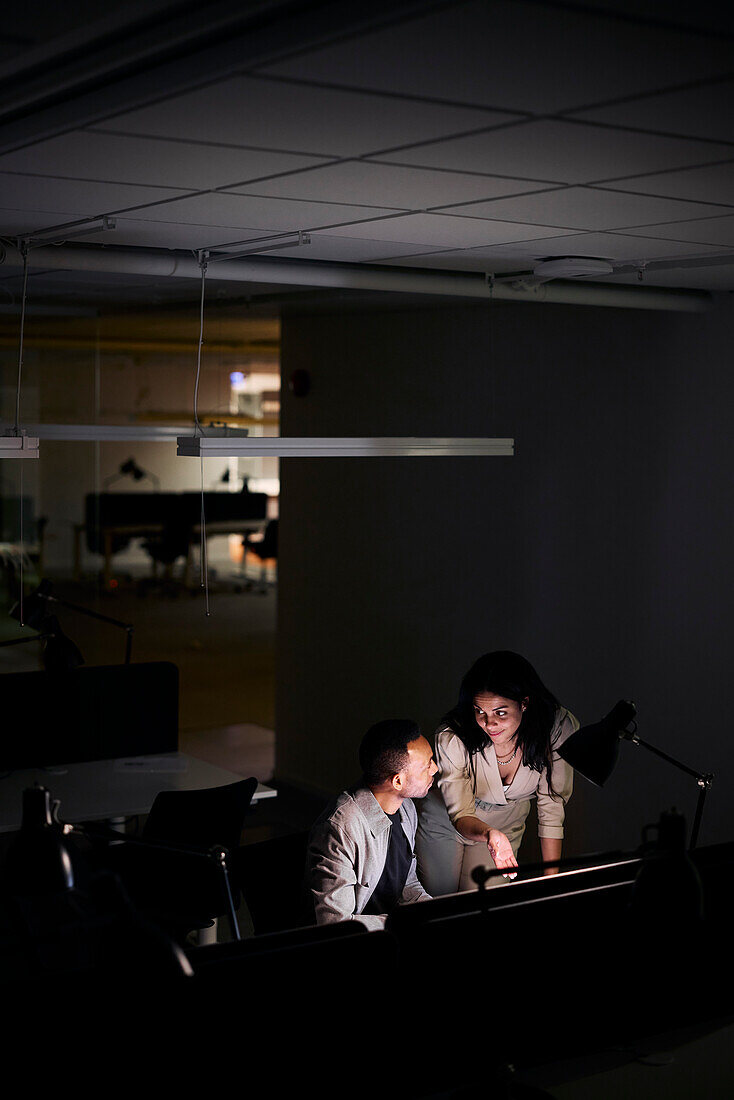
398,782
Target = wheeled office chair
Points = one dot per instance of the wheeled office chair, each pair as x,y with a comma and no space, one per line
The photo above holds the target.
176,873
266,549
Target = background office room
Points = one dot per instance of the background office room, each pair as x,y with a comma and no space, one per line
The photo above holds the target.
340,345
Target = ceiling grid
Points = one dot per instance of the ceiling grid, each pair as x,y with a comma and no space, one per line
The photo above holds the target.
483,135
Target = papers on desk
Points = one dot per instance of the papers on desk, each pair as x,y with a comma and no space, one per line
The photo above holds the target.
151,764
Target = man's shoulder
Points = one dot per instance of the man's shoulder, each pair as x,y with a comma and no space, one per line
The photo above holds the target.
348,809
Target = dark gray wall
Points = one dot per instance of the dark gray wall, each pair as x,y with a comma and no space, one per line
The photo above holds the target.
602,550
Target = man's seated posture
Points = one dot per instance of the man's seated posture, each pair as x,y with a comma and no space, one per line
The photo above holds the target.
361,860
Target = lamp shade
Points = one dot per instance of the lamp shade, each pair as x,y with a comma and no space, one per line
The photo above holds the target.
60,653
593,749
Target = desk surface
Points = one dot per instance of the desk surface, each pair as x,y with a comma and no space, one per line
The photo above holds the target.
98,789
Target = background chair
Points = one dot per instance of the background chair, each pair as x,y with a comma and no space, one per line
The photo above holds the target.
265,548
173,872
166,549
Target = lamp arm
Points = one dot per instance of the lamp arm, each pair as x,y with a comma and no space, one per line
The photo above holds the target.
631,736
30,638
704,780
86,611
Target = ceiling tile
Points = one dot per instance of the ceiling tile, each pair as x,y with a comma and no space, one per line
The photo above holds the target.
223,208
464,259
704,112
91,155
272,114
585,208
714,231
15,223
515,56
562,152
387,185
616,247
720,277
713,184
520,256
77,198
141,233
444,231
324,246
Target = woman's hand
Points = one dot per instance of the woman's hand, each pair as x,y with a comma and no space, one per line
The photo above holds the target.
501,851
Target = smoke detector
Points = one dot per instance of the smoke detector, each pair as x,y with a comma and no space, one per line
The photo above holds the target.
571,267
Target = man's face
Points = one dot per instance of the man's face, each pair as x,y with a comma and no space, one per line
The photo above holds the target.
417,776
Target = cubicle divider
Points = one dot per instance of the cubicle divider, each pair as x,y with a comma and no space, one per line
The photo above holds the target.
90,713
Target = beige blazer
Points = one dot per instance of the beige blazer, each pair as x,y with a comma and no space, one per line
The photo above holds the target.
490,799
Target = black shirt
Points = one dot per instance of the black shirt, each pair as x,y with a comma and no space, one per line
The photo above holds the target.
389,889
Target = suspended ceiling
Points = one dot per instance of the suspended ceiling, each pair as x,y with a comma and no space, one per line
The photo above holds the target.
475,136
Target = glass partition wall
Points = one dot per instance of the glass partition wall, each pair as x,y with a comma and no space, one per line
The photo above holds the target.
113,528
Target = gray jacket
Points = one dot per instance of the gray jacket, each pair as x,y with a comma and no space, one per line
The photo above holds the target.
346,856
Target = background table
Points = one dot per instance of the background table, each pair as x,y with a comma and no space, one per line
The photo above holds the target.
99,790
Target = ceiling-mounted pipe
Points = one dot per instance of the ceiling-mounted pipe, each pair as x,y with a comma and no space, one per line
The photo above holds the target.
161,263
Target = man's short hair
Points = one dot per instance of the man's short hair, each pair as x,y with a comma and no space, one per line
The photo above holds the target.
384,749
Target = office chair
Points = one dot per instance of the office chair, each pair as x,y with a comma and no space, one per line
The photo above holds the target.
166,549
175,872
266,549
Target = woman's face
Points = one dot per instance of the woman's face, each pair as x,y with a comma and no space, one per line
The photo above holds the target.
497,716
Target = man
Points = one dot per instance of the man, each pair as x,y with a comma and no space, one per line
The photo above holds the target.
361,860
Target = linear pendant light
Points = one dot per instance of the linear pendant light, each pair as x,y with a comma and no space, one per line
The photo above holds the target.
232,446
225,442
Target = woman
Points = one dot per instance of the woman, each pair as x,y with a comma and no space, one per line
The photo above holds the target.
495,752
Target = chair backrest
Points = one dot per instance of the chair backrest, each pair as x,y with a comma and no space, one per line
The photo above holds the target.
268,548
200,818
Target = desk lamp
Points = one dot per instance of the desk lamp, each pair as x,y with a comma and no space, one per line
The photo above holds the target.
35,611
131,469
59,652
592,751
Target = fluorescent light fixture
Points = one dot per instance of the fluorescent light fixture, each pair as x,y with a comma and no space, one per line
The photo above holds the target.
255,245
338,447
60,234
19,446
105,433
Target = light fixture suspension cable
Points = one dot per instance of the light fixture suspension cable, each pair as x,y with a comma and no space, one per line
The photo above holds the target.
203,563
24,253
22,546
202,266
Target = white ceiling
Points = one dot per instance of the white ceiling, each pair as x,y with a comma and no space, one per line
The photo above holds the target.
481,135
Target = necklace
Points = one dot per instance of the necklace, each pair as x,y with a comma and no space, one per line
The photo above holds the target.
509,758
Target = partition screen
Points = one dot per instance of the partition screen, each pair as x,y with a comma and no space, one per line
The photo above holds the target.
94,713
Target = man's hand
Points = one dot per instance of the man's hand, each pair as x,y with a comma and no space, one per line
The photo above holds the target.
501,852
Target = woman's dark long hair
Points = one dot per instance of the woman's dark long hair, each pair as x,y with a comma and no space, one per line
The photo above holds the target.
509,675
